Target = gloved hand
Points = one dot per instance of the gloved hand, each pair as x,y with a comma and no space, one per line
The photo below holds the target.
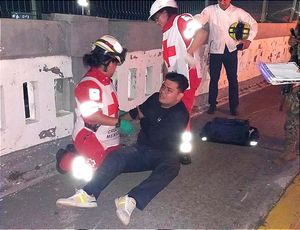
190,60
121,113
126,127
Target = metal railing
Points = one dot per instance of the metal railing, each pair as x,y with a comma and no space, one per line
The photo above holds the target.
263,10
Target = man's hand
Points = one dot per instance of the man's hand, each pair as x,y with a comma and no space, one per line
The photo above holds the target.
246,44
293,41
190,60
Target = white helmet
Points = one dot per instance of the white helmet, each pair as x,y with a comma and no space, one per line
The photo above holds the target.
159,4
111,47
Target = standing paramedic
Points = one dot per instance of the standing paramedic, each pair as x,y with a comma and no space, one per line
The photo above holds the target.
95,133
176,39
223,48
163,118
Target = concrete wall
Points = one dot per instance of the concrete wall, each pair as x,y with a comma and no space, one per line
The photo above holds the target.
138,78
32,38
138,36
45,122
272,30
47,55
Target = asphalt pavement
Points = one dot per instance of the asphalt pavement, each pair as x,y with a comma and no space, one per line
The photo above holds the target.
225,187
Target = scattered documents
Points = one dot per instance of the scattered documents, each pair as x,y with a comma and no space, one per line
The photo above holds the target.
280,73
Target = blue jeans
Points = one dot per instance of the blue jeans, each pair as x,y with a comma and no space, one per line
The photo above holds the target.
164,165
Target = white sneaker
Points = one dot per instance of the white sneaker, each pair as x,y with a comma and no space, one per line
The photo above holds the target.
80,199
125,206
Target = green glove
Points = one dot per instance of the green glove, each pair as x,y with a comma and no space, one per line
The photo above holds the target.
121,113
126,127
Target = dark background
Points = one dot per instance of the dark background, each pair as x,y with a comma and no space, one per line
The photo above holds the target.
277,11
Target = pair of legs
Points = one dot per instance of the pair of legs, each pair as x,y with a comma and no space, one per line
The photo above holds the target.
291,133
164,166
229,60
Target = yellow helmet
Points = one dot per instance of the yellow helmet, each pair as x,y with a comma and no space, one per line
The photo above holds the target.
239,31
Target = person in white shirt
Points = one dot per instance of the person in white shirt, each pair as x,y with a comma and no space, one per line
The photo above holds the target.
223,48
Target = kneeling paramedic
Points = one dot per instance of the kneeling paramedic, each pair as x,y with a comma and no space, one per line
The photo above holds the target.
95,133
163,118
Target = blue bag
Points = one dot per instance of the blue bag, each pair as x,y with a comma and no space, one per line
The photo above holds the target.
230,131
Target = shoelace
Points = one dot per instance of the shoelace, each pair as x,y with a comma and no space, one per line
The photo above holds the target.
81,195
128,204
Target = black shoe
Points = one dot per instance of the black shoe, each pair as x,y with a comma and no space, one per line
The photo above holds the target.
234,112
71,148
59,155
211,109
185,159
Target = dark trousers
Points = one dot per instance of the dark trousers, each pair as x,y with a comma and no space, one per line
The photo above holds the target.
229,60
164,166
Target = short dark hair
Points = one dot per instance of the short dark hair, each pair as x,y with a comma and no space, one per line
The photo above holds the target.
180,79
96,58
170,11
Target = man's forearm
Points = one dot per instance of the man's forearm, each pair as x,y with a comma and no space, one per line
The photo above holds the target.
198,40
133,114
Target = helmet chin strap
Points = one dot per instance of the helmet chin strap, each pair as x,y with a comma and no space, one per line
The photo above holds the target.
105,65
105,68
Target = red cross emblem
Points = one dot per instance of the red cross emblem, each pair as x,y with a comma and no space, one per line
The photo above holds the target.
113,108
168,52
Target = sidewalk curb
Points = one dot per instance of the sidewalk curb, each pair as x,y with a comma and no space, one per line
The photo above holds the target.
286,213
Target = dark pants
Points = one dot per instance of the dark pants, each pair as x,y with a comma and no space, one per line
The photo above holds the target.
215,65
164,166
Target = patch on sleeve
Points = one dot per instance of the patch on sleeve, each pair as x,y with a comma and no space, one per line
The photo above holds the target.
94,94
186,17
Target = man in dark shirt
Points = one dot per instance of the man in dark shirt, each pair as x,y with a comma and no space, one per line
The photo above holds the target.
163,118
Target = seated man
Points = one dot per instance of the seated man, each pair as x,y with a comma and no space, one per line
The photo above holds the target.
163,118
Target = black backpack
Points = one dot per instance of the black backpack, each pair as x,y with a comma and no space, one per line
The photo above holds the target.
230,131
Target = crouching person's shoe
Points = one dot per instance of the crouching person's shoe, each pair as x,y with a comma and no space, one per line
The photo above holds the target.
211,109
125,206
63,160
81,199
234,112
185,159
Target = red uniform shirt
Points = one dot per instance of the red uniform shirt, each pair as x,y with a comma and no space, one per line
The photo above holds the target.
174,47
96,88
